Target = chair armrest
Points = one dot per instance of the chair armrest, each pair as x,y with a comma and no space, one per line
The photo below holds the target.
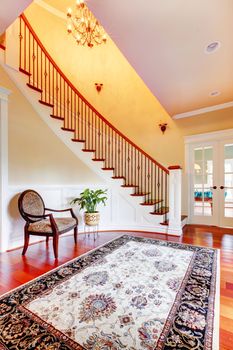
58,210
64,210
38,216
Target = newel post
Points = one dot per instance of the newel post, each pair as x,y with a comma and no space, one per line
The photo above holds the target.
3,168
175,182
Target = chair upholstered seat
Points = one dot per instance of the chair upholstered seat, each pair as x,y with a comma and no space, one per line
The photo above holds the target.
63,224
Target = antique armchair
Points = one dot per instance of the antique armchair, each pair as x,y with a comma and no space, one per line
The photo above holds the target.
39,223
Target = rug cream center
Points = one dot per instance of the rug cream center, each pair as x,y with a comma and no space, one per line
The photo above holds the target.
125,297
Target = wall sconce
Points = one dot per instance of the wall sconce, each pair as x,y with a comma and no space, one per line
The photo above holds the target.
98,86
163,127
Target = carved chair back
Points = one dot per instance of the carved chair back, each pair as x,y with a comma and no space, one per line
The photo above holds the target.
31,203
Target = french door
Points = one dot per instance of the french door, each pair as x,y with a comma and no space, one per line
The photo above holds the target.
211,183
226,183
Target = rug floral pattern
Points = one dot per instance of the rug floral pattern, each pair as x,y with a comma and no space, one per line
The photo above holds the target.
133,293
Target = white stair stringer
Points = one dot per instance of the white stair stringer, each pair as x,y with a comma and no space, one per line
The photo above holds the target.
142,219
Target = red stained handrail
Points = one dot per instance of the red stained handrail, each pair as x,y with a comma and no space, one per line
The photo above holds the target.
84,99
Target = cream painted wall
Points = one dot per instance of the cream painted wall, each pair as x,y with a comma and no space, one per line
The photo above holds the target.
125,100
36,155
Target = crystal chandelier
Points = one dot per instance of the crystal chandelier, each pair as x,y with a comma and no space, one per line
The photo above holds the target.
84,27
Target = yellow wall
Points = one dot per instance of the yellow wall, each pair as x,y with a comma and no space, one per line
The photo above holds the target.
36,155
125,100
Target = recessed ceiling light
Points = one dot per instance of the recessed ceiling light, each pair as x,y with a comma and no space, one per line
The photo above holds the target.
212,47
214,93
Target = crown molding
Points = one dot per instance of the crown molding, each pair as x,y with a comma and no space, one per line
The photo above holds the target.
203,110
50,9
209,136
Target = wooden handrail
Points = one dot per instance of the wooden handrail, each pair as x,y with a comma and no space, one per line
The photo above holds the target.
84,99
128,162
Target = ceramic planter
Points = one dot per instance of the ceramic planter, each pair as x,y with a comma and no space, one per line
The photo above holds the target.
92,219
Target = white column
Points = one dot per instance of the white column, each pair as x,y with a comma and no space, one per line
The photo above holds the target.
4,169
175,179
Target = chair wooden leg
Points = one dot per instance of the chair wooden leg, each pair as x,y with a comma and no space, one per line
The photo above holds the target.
26,241
47,239
75,235
55,245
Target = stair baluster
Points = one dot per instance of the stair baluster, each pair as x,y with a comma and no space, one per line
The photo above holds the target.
128,162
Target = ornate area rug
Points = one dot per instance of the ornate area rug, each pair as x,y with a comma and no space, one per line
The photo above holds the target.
132,293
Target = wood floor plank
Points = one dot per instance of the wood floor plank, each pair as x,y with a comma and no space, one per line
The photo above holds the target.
16,270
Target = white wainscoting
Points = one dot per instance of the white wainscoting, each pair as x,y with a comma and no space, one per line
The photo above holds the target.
118,214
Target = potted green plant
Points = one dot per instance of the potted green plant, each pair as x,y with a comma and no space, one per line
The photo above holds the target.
89,200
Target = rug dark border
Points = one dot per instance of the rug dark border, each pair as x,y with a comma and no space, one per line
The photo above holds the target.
14,302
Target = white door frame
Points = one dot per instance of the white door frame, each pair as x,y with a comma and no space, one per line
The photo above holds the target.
224,221
195,141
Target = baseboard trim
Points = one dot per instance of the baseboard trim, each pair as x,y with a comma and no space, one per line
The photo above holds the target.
19,244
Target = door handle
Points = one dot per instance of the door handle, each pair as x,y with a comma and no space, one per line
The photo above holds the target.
222,187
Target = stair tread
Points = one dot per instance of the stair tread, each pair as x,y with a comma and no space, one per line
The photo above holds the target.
152,202
24,72
98,159
106,168
46,103
77,140
166,222
118,177
140,194
34,87
56,117
129,186
67,129
160,211
88,150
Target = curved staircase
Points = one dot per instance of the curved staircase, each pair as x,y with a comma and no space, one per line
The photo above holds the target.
147,180
140,171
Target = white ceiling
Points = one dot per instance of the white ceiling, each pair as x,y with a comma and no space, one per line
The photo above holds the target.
164,41
10,10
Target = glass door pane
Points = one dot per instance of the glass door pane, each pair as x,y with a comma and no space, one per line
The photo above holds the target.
203,181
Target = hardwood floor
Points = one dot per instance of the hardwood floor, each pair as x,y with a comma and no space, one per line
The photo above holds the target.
15,269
